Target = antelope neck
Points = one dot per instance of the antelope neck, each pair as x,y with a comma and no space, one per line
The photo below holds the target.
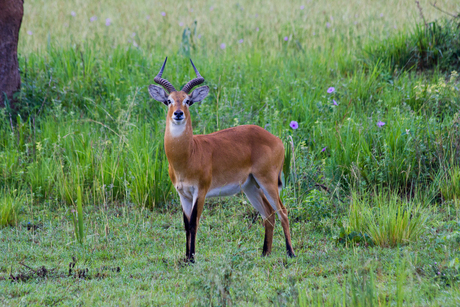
178,147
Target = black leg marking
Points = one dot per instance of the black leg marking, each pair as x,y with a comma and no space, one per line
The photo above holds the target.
289,250
265,249
187,235
192,229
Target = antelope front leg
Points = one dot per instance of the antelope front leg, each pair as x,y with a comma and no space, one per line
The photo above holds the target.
191,221
186,204
187,235
194,221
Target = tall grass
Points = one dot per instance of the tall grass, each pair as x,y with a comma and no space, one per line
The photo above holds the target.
77,218
107,133
86,116
386,219
450,188
11,205
62,151
435,44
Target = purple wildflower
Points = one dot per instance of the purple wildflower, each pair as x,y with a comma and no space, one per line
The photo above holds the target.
381,14
328,25
93,18
133,34
29,32
211,8
241,41
73,13
199,35
222,46
163,14
380,124
147,17
181,24
257,29
294,125
286,38
331,90
324,149
334,102
302,7
439,273
107,22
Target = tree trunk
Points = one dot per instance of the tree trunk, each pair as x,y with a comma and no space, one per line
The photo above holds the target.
11,12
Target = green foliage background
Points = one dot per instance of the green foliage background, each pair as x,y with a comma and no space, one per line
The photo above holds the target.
86,122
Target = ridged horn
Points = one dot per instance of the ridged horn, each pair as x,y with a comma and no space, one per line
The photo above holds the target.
163,82
192,83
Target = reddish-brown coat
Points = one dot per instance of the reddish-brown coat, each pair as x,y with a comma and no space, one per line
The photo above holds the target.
225,157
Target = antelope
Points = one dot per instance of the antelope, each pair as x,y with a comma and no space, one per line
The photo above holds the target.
245,158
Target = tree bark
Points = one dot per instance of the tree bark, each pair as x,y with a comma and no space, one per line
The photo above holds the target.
11,12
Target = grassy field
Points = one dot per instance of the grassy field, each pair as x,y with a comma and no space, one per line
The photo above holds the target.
372,174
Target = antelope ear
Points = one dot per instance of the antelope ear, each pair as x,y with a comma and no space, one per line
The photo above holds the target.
198,94
158,93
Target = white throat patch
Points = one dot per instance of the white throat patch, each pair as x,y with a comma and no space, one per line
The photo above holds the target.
176,130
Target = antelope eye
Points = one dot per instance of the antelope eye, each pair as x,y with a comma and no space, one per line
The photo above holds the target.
169,101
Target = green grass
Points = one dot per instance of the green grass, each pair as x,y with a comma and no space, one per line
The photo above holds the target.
388,221
434,45
148,247
11,205
86,123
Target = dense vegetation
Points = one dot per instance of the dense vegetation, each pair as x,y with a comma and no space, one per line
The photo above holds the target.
372,174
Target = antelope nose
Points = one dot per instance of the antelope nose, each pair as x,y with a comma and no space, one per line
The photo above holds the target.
178,114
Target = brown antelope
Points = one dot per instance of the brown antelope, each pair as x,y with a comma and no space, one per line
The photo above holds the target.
244,158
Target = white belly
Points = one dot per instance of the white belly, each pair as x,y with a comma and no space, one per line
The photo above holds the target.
226,190
188,193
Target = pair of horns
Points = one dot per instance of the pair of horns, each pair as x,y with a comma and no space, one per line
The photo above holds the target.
170,88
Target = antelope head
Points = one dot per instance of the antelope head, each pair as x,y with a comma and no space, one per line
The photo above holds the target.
178,102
